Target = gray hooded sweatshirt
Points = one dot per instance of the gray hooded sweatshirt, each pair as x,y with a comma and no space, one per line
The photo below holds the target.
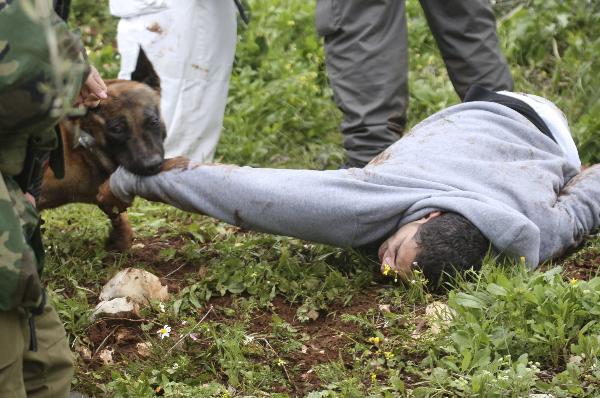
479,159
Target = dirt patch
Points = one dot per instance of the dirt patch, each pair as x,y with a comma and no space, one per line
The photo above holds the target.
582,266
119,335
582,262
155,28
327,338
379,159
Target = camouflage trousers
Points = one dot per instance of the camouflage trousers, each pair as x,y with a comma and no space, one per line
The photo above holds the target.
48,371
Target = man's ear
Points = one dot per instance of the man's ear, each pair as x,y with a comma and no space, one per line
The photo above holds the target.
144,72
433,214
429,216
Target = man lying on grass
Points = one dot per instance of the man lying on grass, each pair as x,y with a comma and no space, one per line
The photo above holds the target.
500,169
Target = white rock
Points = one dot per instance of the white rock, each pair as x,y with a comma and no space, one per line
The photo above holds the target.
121,307
143,349
438,316
106,356
541,396
384,308
84,352
576,359
138,285
439,310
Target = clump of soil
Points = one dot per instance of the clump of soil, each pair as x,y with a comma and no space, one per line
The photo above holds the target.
120,335
583,266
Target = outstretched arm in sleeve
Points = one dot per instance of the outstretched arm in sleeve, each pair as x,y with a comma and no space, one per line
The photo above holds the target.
575,214
321,206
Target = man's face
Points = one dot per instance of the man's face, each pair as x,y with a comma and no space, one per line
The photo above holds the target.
398,252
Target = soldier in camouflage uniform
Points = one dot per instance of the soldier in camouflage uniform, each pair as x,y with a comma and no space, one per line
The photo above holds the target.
41,72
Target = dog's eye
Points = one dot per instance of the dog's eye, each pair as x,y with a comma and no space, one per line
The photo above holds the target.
117,130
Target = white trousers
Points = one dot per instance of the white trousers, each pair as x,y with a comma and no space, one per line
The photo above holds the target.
191,44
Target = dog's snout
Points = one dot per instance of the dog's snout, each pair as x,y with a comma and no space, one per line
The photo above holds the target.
152,163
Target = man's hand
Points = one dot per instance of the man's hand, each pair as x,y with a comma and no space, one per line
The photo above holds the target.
108,202
30,199
93,90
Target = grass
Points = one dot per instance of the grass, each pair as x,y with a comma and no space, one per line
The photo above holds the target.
272,316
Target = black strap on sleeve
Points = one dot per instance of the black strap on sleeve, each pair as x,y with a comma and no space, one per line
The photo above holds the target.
479,93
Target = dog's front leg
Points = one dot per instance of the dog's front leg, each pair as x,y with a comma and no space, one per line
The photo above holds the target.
121,234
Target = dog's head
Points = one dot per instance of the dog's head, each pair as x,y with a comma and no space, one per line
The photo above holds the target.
127,127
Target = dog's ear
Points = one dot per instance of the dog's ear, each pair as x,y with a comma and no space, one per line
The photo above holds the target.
144,72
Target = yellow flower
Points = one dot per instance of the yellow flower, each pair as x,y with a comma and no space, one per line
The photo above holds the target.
386,269
164,332
374,340
373,377
573,281
388,355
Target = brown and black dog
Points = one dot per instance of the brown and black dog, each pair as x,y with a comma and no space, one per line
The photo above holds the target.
124,130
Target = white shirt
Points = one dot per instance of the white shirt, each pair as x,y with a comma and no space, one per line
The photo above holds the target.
556,122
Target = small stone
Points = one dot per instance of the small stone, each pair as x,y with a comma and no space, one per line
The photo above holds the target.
439,310
576,359
106,356
306,375
384,308
84,352
143,349
438,315
313,315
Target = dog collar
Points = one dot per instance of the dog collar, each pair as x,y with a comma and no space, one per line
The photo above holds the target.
88,142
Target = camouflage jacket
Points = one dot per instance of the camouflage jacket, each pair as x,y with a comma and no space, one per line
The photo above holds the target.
41,71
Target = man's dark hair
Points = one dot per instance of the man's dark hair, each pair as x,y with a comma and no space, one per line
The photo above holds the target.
449,244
